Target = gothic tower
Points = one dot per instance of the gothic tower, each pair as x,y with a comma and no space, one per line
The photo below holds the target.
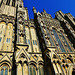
20,53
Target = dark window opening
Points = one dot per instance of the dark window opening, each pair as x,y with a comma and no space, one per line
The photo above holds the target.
73,73
8,2
13,3
1,3
0,39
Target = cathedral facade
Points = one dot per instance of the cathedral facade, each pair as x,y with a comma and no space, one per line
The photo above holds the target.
40,46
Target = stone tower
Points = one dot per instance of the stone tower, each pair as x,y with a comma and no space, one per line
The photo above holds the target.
39,46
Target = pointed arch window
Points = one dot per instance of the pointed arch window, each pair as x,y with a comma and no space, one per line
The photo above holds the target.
4,70
13,3
8,2
41,70
1,3
58,40
66,42
34,42
0,39
73,73
32,70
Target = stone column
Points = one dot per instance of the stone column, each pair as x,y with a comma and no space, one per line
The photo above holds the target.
37,71
19,69
55,69
64,70
9,71
11,2
59,68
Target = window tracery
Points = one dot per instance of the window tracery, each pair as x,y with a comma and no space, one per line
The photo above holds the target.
4,70
32,70
58,40
41,71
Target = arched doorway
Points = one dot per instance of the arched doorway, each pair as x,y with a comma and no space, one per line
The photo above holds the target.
73,73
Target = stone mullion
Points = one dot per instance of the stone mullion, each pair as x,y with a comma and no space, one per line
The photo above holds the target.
49,36
38,71
68,42
13,37
8,71
4,34
4,72
52,38
62,68
65,46
55,69
11,2
60,40
4,1
59,67
66,70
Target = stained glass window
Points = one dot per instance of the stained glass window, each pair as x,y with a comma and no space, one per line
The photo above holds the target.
8,40
27,41
65,41
41,72
4,70
32,70
51,41
58,40
0,39
34,42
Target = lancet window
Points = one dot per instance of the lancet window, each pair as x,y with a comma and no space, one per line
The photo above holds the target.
4,70
41,71
58,40
65,41
32,70
8,2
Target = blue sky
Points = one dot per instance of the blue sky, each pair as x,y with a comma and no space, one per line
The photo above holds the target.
51,6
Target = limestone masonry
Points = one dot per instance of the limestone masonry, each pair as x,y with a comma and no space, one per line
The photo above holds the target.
40,46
